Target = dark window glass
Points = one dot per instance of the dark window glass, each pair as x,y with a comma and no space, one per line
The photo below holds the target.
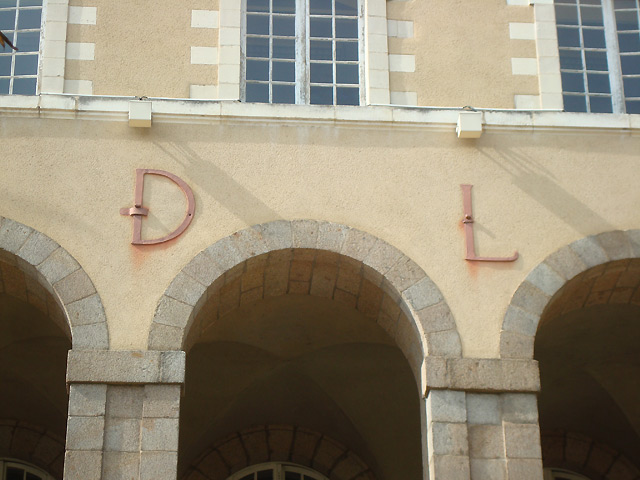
346,51
292,476
28,41
257,24
284,26
30,3
265,475
618,4
32,476
284,48
29,19
321,95
257,92
284,71
569,37
321,27
7,20
346,7
566,15
4,86
7,3
596,61
598,83
574,103
24,86
284,6
591,16
627,20
258,70
321,50
320,7
5,65
26,65
321,73
257,5
600,104
633,106
629,42
284,94
348,96
14,473
346,28
257,47
631,87
572,82
593,38
248,477
630,64
347,74
571,60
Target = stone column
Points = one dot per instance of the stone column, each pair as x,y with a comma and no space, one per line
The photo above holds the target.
123,415
482,419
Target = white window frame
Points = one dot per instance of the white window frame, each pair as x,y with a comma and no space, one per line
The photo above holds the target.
555,473
279,470
28,468
613,59
302,54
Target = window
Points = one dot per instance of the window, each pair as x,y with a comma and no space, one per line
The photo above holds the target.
20,21
303,51
277,471
16,470
599,42
561,474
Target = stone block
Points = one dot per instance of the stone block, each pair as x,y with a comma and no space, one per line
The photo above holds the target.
546,279
516,345
358,244
213,466
159,434
225,253
483,409
203,268
90,337
519,321
85,433
124,401
48,450
520,408
524,469
530,298
304,233
277,235
13,235
615,244
161,401
422,294
449,467
331,236
634,242
172,366
172,312
165,337
158,465
382,257
186,289
488,469
436,318
446,344
446,406
87,311
122,435
87,400
83,465
486,441
448,438
566,262
74,287
120,466
522,441
590,251
37,248
249,243
326,455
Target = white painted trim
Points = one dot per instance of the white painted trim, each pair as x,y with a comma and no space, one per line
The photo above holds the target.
205,19
52,46
82,15
80,51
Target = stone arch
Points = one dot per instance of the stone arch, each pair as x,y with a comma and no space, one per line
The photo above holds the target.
37,262
278,443
532,297
423,326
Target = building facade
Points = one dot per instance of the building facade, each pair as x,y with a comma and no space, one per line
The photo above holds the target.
320,239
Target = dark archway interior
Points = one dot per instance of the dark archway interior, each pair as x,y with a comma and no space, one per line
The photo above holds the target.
589,352
308,362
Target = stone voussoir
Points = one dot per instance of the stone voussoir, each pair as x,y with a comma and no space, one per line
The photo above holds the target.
277,235
58,265
304,233
13,235
186,289
37,248
589,251
331,236
616,244
358,244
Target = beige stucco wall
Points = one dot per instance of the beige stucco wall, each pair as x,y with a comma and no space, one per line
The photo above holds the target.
533,191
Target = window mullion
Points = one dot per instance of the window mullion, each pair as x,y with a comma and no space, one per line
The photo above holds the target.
613,56
302,60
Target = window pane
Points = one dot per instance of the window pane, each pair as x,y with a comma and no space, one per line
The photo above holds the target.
284,48
569,37
284,26
28,41
31,476
347,74
629,42
321,96
321,27
572,82
348,96
5,65
14,473
574,103
7,3
598,83
347,51
292,476
257,92
624,4
265,475
30,3
29,19
630,64
26,65
321,50
632,87
593,38
248,477
633,107
570,60
600,104
257,70
284,6
627,20
257,5
284,71
7,20
321,73
346,7
591,16
258,24
4,86
283,94
24,86
320,7
346,28
566,15
596,61
257,47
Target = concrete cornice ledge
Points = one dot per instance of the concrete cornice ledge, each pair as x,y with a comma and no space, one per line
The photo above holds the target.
482,374
125,367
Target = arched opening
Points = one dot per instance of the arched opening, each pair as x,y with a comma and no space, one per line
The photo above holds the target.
291,358
34,340
589,356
